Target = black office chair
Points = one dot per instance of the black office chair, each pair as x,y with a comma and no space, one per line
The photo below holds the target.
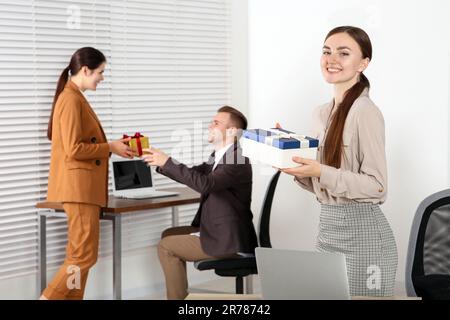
428,258
244,266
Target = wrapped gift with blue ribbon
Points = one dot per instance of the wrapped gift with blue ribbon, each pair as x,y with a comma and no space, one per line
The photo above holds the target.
280,138
277,146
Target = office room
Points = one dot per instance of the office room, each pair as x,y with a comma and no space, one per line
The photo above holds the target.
165,85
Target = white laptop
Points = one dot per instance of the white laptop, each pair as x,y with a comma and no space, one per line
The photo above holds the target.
302,275
132,179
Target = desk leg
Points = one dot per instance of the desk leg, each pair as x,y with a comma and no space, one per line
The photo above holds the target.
175,217
42,244
117,257
249,284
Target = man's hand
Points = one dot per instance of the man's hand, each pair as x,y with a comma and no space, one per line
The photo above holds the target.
154,157
307,168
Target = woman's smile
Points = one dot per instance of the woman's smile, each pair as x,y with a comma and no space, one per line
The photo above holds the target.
334,69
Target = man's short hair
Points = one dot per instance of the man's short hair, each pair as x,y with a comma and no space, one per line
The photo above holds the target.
237,118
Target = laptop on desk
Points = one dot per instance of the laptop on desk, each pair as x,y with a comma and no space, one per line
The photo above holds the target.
132,179
302,275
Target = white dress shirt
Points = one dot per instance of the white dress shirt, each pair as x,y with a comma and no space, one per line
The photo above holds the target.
218,155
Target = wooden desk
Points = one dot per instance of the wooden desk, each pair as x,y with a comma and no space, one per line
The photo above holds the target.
117,207
232,296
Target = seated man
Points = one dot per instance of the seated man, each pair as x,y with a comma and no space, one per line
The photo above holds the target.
223,225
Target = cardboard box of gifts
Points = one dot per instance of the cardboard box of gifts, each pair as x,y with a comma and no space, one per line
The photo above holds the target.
276,147
137,143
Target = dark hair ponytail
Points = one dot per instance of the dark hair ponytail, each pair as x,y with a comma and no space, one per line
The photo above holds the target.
333,140
87,56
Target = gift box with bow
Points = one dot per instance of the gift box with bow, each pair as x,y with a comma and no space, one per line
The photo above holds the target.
277,146
137,143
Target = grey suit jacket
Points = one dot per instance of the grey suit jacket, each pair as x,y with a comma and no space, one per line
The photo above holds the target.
224,215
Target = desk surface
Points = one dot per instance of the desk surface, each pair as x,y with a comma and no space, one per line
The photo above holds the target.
231,296
121,206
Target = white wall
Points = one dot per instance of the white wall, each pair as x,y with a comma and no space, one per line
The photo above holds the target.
410,84
239,55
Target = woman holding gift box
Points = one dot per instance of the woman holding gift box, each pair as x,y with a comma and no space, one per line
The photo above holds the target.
349,177
79,169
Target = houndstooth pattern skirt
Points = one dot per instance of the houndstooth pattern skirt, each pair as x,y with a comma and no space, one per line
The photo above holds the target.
361,232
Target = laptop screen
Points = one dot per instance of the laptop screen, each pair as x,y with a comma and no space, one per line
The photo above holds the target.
131,175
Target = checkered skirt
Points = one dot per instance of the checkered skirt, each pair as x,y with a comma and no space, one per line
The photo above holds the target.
361,232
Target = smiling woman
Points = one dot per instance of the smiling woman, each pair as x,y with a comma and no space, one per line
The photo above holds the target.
78,174
349,176
346,54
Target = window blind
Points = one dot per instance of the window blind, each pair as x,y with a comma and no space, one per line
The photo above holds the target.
168,71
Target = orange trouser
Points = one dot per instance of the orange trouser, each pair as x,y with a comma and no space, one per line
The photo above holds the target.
83,224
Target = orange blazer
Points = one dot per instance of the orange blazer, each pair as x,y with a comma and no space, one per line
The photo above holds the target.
80,152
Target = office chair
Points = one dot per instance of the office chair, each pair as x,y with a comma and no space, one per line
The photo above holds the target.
428,259
244,266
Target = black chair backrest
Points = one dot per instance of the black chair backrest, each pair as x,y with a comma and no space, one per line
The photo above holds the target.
433,240
429,243
264,218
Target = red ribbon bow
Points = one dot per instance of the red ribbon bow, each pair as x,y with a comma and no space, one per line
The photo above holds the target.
136,136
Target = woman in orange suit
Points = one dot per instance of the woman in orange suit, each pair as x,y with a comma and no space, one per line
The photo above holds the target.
79,169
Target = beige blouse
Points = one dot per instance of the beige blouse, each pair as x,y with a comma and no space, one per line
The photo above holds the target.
362,176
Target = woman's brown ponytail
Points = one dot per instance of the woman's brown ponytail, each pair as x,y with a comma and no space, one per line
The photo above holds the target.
87,56
333,140
63,78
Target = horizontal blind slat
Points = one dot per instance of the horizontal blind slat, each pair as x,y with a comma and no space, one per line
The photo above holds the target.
168,71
